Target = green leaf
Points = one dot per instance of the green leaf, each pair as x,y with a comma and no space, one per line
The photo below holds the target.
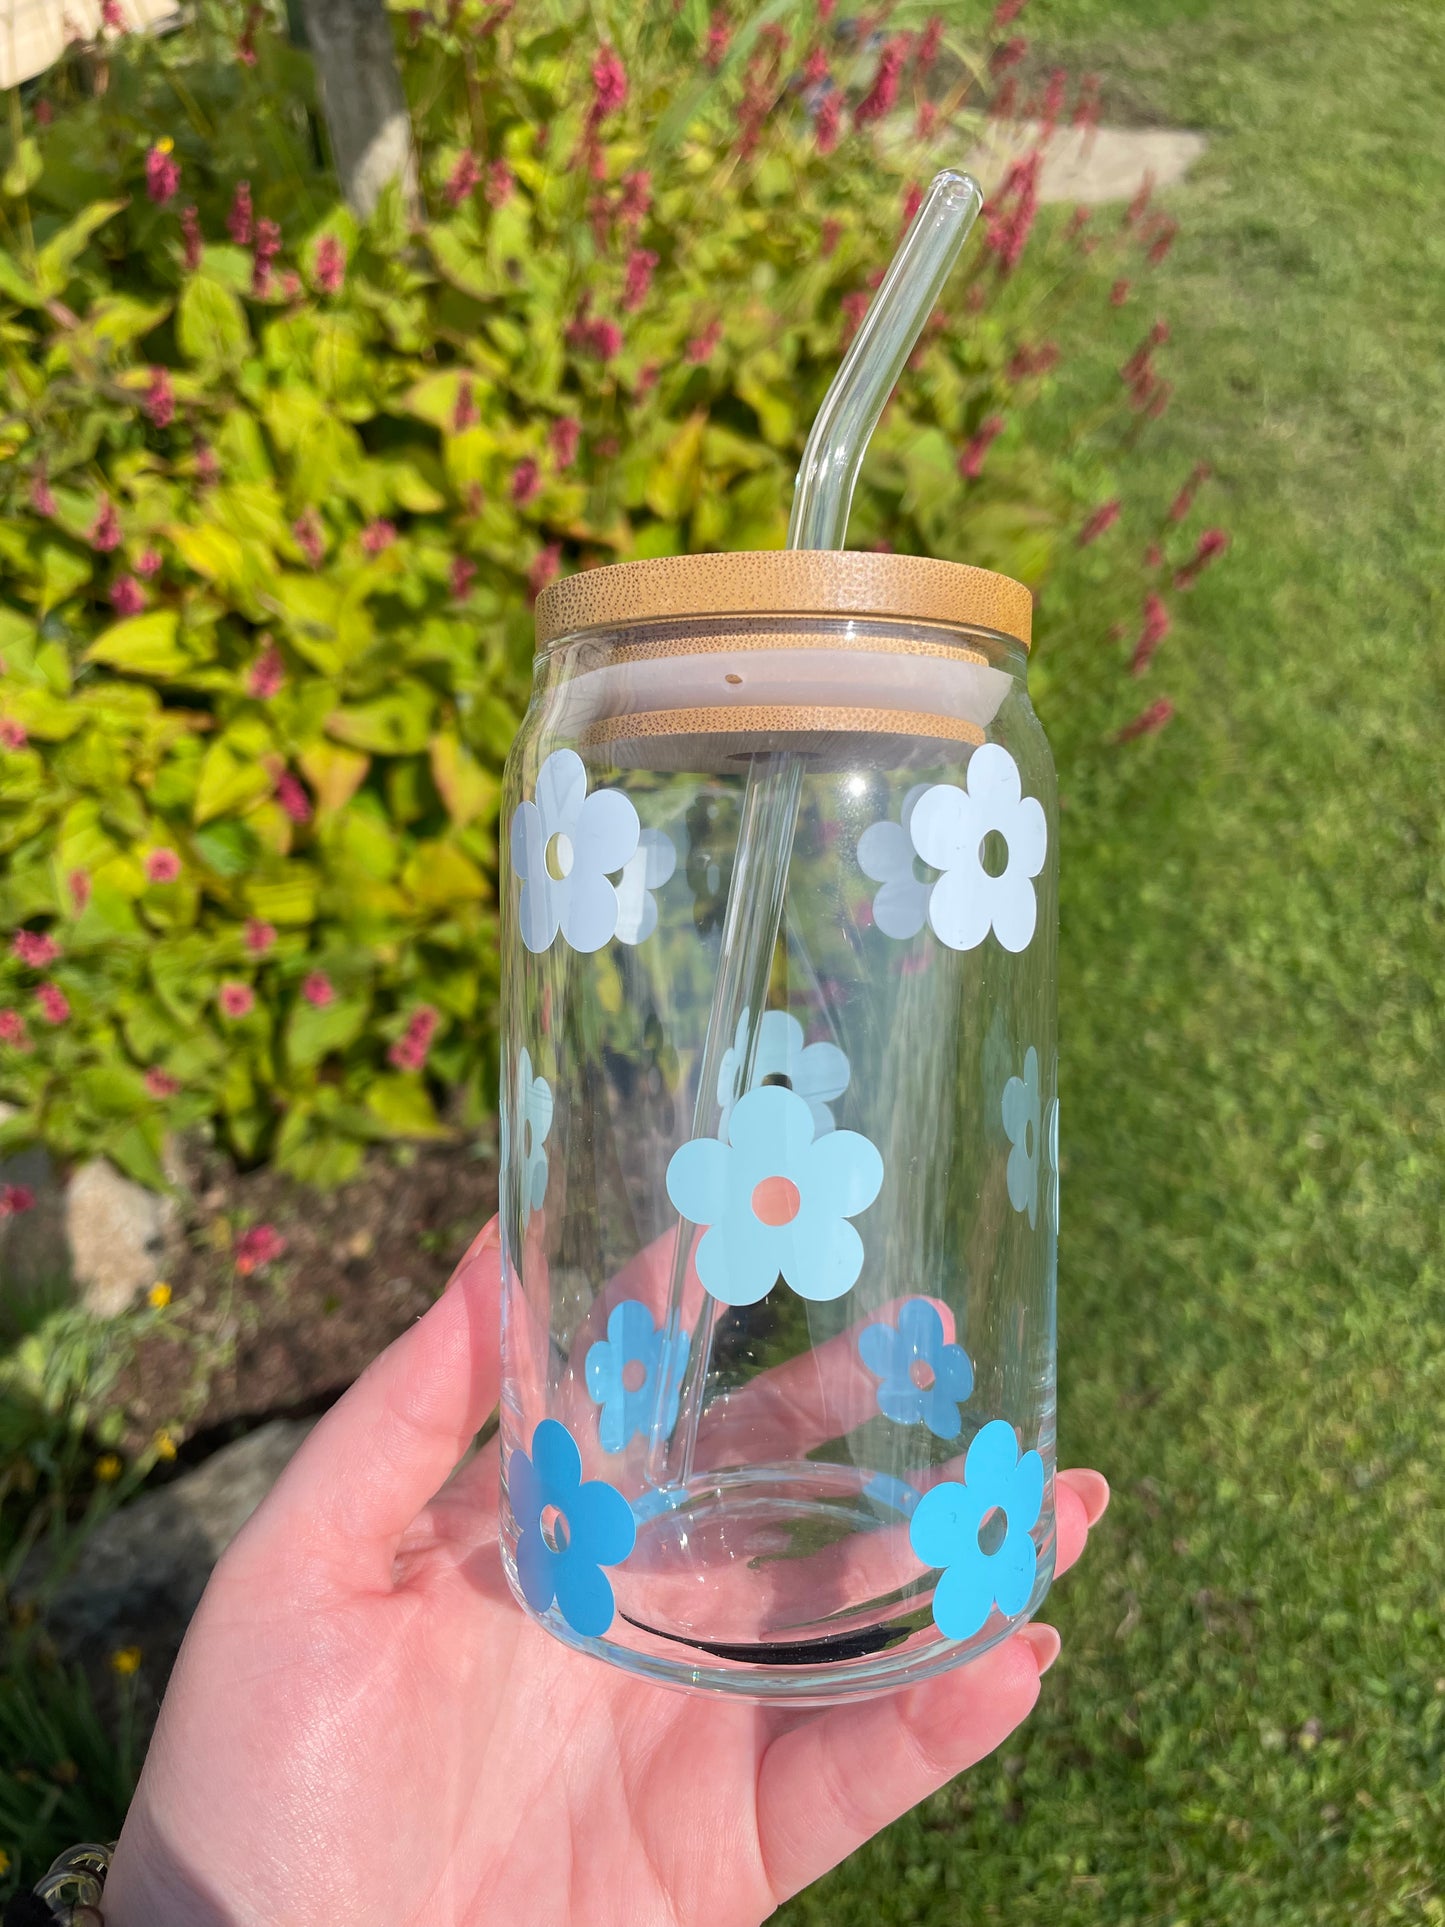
465,787
404,1107
141,645
438,875
211,324
229,781
17,285
396,724
335,774
136,1152
288,899
24,170
462,265
312,1032
60,254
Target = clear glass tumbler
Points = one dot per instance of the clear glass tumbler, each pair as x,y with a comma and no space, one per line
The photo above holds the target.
778,1325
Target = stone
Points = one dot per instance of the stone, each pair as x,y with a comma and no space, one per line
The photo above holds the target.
141,1572
1088,167
117,1234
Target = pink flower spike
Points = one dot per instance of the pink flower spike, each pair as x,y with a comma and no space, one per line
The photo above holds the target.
1212,543
330,264
191,243
12,1030
635,200
1149,722
105,529
41,499
641,264
828,122
54,1005
111,16
462,180
501,184
970,462
267,674
609,86
318,990
545,568
34,948
1006,12
719,34
13,735
1118,294
160,1084
241,218
208,469
526,482
882,96
293,798
259,936
78,884
377,536
163,173
162,866
700,348
236,1000
160,400
15,1198
464,415
127,597
1157,624
312,543
563,438
1103,518
464,572
261,1245
149,562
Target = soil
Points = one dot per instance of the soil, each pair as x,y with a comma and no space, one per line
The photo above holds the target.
359,1265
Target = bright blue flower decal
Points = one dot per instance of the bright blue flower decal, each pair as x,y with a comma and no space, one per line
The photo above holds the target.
1021,1122
776,1200
625,1370
997,1506
923,1379
568,1530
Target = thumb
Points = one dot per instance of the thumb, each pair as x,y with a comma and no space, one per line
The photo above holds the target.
388,1445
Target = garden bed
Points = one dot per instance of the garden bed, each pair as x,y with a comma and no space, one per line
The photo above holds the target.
287,1337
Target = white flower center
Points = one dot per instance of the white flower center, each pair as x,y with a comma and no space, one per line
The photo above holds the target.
993,853
992,1530
556,1533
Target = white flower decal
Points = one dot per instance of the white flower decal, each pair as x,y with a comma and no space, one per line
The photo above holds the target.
817,1072
1053,1134
886,854
649,868
948,827
1021,1123
565,847
528,1105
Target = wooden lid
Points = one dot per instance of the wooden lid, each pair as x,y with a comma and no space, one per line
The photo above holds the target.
794,582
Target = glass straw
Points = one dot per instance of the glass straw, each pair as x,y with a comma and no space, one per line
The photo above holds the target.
822,498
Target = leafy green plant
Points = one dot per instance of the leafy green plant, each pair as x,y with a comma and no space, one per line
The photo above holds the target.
278,490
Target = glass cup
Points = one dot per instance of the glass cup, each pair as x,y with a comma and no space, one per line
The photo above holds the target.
778,1321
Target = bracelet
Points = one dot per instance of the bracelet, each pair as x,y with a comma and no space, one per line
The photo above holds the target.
72,1889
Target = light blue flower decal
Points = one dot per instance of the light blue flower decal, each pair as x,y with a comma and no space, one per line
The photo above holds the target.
630,1370
568,1530
923,1379
817,1072
886,854
648,869
530,1104
565,847
1021,1122
997,1505
776,1200
949,826
1054,1164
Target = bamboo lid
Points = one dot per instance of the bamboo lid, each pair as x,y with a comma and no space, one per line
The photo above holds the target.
792,582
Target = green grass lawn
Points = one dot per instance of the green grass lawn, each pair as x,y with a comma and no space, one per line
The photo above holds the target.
1248,1720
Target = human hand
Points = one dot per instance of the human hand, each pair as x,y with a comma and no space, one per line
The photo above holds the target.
363,1726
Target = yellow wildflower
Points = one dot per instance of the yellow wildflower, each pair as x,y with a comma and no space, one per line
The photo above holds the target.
108,1468
165,1446
125,1660
165,144
158,1297
4,1863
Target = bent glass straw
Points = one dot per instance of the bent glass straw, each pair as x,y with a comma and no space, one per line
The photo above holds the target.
822,498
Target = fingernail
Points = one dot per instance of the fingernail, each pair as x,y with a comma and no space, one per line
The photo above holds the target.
485,1241
1043,1642
1093,1488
